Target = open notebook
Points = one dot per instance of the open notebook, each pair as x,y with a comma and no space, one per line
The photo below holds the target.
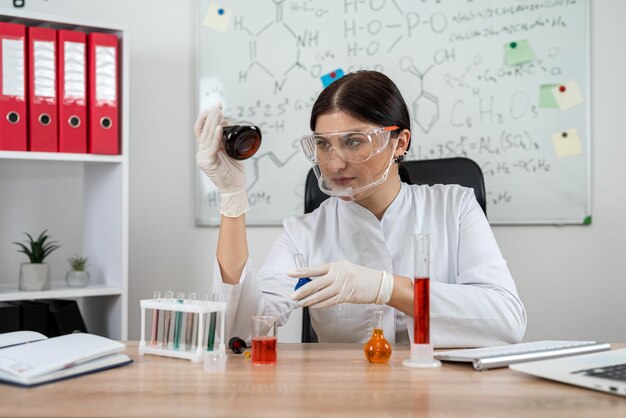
29,358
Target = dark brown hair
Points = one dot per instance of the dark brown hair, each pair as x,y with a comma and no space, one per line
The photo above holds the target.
369,96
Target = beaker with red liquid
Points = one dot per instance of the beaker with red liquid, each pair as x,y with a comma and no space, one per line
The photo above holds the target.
264,340
264,350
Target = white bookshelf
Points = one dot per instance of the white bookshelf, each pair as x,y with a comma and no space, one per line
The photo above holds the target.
58,290
59,156
82,199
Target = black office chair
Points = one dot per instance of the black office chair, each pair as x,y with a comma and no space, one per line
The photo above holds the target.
458,170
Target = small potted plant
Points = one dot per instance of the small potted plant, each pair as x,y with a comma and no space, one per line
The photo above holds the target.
78,276
36,274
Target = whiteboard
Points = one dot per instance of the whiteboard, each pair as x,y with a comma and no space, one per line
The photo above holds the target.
505,83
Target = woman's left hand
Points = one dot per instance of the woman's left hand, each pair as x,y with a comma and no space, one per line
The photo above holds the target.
342,282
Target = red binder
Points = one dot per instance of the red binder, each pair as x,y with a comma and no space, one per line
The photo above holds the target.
13,116
42,95
103,94
72,91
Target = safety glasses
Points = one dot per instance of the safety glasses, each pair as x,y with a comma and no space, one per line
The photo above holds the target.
351,146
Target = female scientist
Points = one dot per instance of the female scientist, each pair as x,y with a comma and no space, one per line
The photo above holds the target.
359,243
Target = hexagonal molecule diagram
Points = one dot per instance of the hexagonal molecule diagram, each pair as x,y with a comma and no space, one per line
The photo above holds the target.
425,111
275,48
425,106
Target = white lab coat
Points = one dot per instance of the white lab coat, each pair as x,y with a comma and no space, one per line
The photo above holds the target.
473,299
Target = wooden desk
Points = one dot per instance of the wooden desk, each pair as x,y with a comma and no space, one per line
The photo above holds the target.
310,380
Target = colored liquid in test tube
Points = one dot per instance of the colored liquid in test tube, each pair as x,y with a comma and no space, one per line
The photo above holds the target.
178,321
421,349
421,310
190,322
167,318
155,321
299,260
212,322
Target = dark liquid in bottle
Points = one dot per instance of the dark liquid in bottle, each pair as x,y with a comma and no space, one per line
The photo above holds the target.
241,141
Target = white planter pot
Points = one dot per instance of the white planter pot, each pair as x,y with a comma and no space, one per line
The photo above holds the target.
34,277
77,278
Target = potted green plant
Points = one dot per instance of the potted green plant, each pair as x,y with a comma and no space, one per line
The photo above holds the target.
36,274
78,276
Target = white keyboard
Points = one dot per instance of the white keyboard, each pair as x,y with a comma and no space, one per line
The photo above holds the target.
503,355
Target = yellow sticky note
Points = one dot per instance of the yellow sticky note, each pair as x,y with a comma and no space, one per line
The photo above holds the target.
567,95
567,143
217,18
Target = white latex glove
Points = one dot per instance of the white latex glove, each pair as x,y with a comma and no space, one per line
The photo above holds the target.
342,282
228,175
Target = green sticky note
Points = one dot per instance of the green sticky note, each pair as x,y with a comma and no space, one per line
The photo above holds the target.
517,52
587,220
546,98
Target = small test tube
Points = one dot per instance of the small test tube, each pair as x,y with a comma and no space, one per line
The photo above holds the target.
167,318
155,321
210,346
204,299
421,349
299,260
190,322
178,321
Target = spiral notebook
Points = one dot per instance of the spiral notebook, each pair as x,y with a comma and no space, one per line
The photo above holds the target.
29,358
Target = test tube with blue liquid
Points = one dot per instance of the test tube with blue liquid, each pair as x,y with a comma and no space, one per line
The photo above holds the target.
299,260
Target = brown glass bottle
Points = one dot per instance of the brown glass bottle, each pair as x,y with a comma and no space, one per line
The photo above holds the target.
241,140
377,349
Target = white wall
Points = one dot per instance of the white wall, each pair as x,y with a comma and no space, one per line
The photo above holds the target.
572,279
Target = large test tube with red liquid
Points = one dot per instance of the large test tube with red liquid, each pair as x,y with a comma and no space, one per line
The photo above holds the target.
421,348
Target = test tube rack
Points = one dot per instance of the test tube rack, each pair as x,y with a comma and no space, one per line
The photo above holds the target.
201,307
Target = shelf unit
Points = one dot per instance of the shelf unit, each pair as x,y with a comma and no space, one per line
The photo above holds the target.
82,199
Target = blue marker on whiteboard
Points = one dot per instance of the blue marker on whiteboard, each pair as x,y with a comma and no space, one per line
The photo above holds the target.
299,260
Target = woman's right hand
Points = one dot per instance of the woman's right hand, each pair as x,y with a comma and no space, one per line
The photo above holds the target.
228,175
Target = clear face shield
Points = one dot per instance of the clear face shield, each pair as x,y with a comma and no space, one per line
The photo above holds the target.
350,162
